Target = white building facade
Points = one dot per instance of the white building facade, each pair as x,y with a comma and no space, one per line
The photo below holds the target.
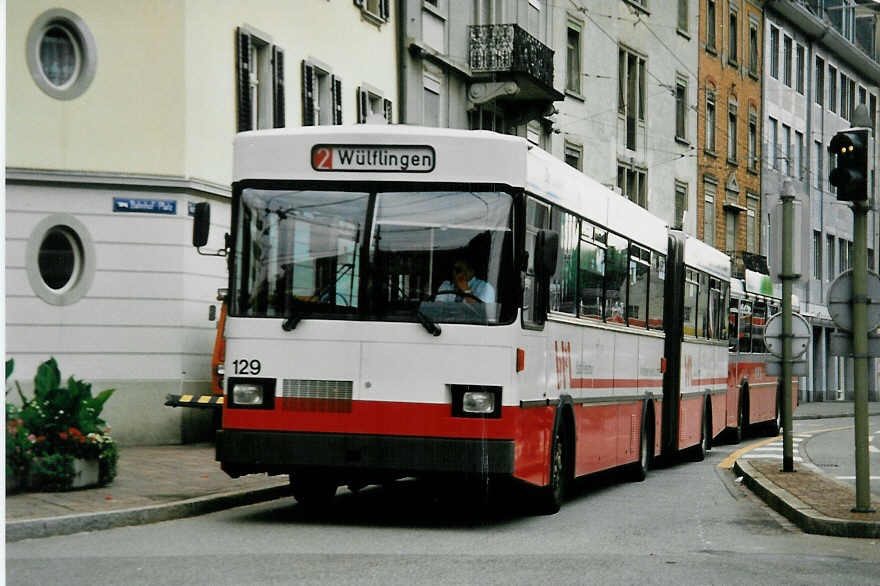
120,117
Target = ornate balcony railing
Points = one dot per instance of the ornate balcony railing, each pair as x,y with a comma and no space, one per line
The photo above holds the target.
497,48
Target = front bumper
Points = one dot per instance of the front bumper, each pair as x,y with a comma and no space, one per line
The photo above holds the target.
280,452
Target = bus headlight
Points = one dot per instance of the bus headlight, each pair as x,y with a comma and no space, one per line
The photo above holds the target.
251,393
476,401
247,394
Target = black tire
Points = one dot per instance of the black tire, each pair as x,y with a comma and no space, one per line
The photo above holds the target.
701,449
773,426
737,434
550,497
639,469
313,491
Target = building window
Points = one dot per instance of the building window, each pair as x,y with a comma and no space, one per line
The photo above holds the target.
434,16
774,52
844,101
731,132
820,81
683,15
799,73
431,102
818,155
752,203
730,231
786,61
799,161
786,137
753,49
753,141
632,182
62,55
773,144
376,10
710,189
733,38
372,107
60,260
710,120
852,98
260,81
681,204
631,92
681,109
710,25
829,249
872,106
817,255
321,95
573,58
832,88
842,255
574,155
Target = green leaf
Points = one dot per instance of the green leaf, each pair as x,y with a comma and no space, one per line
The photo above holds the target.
98,402
10,366
48,378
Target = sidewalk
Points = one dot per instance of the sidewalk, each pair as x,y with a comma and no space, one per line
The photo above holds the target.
169,482
808,497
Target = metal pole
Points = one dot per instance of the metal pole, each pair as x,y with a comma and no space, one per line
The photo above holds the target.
787,277
860,352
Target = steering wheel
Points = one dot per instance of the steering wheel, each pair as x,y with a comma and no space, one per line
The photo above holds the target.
457,293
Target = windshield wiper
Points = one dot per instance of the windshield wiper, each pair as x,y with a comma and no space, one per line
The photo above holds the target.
293,318
428,323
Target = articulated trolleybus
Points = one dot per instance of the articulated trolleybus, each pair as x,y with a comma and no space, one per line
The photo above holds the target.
418,302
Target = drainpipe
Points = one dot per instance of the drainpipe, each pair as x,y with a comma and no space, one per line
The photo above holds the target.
402,66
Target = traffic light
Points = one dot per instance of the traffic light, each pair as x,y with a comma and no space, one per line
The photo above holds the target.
850,177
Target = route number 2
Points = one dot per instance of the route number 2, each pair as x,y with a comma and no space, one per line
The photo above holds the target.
247,366
322,159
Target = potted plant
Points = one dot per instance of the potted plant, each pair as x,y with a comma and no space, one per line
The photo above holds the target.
57,437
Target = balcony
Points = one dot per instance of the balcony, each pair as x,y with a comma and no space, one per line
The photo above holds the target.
741,260
506,52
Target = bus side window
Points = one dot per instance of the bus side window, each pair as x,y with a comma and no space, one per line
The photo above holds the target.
691,293
658,289
703,306
563,287
592,271
733,325
537,219
616,280
759,320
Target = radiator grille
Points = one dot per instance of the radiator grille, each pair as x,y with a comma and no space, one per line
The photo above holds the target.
316,395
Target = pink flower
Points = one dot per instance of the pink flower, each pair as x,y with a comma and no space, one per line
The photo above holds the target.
32,438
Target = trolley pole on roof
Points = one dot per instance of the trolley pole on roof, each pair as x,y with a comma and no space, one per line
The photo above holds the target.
787,276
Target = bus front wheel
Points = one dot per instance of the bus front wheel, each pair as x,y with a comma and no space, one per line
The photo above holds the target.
551,496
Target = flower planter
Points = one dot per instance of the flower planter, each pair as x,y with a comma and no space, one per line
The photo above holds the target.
85,473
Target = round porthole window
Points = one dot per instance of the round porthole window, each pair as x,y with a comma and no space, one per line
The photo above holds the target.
61,54
60,259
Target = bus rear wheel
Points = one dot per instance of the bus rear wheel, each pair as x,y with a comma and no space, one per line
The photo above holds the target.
313,490
639,469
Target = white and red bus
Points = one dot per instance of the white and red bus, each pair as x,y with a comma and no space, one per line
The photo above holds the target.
753,396
587,337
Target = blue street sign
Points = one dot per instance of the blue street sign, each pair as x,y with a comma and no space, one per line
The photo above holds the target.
144,206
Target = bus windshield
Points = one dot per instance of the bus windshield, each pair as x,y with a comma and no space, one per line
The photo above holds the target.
301,253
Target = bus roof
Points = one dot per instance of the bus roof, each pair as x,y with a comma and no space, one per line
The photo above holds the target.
699,255
368,152
560,183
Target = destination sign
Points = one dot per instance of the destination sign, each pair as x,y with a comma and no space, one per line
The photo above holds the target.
373,158
144,206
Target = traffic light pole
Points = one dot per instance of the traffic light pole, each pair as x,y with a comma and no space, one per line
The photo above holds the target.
787,276
860,353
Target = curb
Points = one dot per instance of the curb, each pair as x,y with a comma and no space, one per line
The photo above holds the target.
800,513
67,524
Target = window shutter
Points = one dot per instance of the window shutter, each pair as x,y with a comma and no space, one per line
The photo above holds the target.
385,10
362,105
308,94
387,105
278,86
336,98
243,49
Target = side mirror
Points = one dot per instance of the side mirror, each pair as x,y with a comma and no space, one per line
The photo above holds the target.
546,253
201,224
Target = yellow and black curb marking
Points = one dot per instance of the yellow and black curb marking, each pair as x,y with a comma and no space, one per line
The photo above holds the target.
202,401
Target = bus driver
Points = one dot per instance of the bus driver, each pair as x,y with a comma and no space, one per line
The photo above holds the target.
465,286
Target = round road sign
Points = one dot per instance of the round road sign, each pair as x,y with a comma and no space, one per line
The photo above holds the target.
800,332
840,301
